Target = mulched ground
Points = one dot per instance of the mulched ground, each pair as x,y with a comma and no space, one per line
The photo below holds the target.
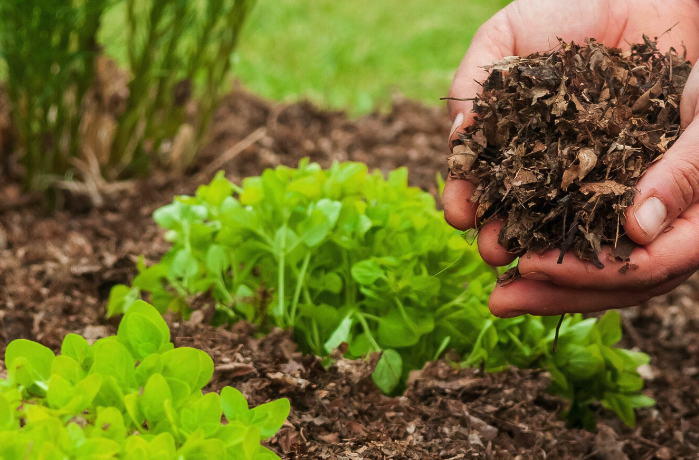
56,272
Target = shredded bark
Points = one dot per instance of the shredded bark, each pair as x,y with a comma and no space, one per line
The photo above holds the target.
562,138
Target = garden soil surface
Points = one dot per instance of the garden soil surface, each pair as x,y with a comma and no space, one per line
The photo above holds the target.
56,271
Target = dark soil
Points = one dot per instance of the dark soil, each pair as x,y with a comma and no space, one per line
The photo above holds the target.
562,138
56,272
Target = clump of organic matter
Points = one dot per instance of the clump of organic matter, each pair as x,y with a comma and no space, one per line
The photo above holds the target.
562,138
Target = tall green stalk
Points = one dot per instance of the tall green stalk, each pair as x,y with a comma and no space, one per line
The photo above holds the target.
49,48
188,44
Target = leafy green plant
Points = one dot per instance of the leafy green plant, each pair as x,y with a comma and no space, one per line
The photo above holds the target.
587,368
344,255
130,396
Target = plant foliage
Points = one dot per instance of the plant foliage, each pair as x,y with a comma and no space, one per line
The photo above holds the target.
130,396
179,57
346,256
176,49
48,48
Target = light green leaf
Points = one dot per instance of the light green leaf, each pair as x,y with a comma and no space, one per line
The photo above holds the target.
192,366
76,347
121,297
143,331
234,404
367,272
609,327
217,259
28,362
388,371
395,331
184,265
340,334
270,417
153,400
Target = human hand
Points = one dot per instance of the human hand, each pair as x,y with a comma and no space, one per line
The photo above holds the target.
665,216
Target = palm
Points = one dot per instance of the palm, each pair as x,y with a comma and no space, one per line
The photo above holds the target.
616,23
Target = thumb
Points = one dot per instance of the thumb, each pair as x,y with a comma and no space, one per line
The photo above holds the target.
671,185
493,41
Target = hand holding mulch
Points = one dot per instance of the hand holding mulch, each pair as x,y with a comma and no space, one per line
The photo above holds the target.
556,161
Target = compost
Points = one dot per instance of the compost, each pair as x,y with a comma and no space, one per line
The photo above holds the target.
562,137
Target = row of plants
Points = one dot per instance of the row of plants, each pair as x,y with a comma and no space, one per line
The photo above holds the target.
65,109
132,396
345,255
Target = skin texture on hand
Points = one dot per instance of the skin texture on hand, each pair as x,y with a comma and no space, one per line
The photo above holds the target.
665,216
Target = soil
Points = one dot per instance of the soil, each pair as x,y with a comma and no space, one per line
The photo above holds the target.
56,271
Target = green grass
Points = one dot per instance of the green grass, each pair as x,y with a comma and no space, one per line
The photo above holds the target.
353,55
356,54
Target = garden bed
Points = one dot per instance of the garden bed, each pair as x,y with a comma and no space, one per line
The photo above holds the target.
56,272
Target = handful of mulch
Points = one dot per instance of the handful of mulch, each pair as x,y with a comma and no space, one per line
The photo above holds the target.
562,138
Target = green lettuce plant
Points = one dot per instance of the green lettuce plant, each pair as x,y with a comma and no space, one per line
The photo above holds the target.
133,396
347,256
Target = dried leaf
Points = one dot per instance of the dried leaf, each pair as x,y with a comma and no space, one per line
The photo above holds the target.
608,187
461,160
505,64
588,160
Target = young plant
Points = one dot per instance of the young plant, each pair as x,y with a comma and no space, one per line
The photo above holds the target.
130,396
346,256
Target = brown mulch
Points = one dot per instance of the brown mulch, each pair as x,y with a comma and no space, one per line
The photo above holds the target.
569,132
56,272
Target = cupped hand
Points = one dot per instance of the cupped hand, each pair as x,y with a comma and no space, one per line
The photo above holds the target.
664,218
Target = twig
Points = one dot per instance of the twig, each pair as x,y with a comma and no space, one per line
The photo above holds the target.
569,239
230,154
558,329
457,99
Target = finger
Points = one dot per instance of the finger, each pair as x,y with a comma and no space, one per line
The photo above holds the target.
493,41
671,185
491,251
674,253
543,298
459,211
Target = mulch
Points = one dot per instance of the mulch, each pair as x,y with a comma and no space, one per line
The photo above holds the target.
56,270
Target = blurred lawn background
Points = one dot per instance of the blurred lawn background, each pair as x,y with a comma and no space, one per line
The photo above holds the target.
352,55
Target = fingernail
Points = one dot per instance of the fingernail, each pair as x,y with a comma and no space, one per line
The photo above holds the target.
536,276
650,216
457,122
514,314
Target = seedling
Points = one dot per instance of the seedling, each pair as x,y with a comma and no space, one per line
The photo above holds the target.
130,396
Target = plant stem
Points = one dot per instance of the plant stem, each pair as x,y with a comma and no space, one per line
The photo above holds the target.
367,331
299,283
280,311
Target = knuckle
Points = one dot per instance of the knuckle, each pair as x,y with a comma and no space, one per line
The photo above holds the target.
657,275
685,181
661,273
